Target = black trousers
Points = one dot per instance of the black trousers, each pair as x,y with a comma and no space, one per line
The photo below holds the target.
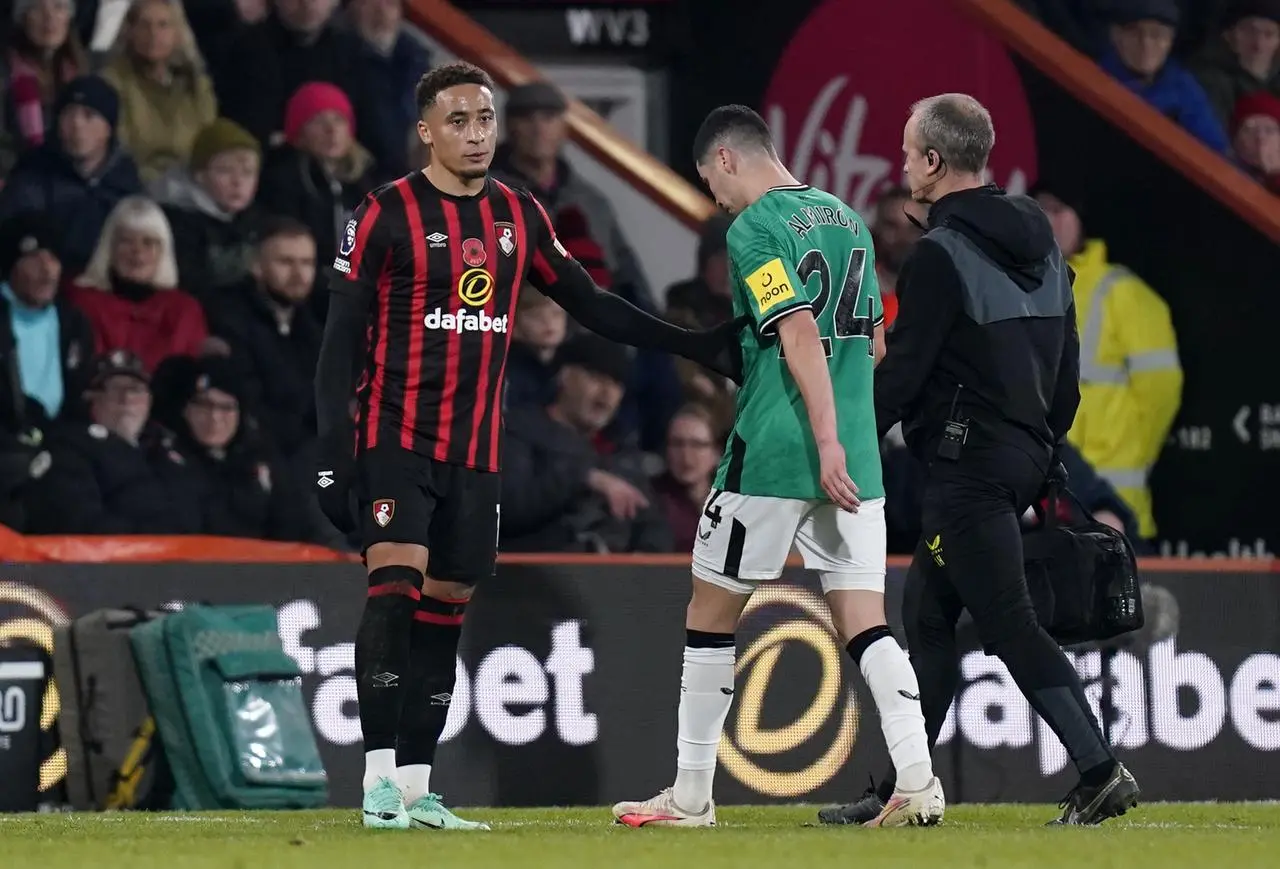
970,557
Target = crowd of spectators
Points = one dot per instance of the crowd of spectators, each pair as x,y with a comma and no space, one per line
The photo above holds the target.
174,180
174,177
1216,73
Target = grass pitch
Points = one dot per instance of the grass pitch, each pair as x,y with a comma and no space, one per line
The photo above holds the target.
1164,836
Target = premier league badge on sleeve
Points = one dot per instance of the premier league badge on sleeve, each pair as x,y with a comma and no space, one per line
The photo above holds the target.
348,239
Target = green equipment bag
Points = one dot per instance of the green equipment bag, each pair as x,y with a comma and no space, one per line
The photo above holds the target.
228,705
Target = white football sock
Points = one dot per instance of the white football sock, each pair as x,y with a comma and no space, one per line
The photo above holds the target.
414,781
706,693
379,763
888,672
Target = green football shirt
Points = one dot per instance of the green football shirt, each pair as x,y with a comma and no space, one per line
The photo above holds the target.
799,247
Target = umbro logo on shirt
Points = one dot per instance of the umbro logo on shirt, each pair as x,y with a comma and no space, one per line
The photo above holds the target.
437,239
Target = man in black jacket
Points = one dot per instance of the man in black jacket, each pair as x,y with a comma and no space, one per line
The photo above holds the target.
982,370
273,334
117,473
562,492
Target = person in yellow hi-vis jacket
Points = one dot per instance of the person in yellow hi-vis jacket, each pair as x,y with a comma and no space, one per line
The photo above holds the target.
1130,376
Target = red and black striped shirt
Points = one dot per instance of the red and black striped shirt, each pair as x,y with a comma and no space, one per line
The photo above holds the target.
437,277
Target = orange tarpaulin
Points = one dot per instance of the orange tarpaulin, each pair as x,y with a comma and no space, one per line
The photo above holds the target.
15,547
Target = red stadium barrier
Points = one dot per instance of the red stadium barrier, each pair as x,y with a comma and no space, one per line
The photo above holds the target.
70,549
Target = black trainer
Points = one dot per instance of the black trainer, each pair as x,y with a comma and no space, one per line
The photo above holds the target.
866,809
1086,805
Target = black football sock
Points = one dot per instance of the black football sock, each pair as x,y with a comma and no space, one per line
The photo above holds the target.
434,635
383,661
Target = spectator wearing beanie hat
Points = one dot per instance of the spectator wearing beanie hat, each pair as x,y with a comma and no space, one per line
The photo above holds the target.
44,336
1142,36
653,393
210,206
1244,57
77,178
1255,134
165,95
242,490
321,173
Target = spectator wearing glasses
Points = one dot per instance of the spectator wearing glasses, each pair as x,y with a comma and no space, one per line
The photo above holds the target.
693,451
129,290
240,489
117,474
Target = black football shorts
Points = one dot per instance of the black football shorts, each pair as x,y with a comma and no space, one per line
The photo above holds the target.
451,510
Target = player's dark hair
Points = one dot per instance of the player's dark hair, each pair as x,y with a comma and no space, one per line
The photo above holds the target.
443,77
739,127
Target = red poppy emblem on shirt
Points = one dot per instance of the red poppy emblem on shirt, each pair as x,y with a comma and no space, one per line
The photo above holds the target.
473,252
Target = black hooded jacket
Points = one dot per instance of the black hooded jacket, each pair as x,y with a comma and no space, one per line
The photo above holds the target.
986,330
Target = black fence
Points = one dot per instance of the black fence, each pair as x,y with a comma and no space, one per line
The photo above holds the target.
568,684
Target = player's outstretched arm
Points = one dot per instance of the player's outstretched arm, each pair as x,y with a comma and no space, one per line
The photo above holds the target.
807,361
560,277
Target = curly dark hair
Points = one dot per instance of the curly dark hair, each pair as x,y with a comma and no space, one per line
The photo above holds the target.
450,75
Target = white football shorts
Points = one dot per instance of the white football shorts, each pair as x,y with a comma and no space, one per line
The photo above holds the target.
745,539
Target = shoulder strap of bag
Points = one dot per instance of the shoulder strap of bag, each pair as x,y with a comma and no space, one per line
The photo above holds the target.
1051,512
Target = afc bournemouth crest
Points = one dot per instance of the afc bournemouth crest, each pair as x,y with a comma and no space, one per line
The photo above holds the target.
473,252
383,510
506,233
